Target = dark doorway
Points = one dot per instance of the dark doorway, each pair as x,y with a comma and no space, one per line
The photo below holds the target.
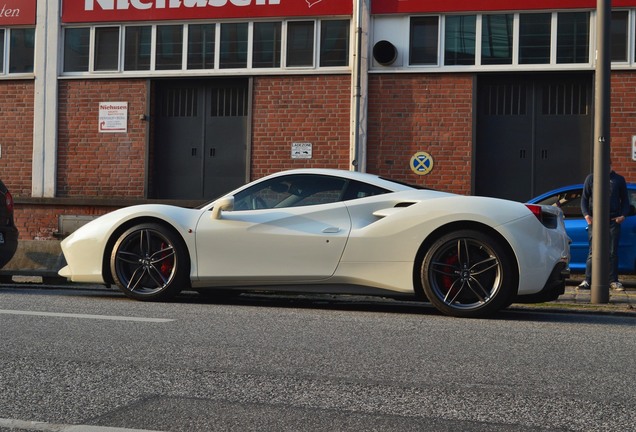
534,133
200,137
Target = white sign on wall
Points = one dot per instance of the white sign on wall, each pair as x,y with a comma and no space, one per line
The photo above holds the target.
301,150
113,117
634,147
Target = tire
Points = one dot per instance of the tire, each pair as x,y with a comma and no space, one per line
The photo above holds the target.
150,262
468,274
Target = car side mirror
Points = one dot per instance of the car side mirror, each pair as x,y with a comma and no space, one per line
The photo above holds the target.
222,204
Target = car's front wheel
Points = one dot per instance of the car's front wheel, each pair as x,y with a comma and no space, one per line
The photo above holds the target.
149,262
468,273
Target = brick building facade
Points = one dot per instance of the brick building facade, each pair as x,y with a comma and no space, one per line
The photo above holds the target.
57,162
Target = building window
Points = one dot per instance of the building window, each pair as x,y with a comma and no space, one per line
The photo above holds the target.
534,38
76,47
266,45
300,43
459,41
573,37
22,50
620,22
424,40
106,49
207,46
1,51
233,46
201,45
496,39
334,43
137,48
169,46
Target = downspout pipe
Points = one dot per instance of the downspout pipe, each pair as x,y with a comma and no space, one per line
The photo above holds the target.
359,86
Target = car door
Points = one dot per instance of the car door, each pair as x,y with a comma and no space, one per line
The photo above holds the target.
292,228
627,244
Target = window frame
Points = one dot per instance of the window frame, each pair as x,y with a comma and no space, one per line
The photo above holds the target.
6,54
391,28
217,68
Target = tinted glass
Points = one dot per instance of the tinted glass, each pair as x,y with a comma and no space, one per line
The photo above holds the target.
496,39
619,36
1,50
266,45
169,47
291,191
76,48
459,46
568,202
424,39
233,45
573,37
300,43
137,48
334,43
201,45
534,38
106,49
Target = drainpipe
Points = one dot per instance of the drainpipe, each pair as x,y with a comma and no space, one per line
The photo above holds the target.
359,85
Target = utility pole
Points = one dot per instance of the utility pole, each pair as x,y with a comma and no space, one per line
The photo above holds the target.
600,193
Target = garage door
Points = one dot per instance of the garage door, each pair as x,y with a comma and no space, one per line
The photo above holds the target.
534,133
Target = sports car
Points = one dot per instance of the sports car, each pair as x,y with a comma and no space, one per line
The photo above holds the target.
568,199
331,231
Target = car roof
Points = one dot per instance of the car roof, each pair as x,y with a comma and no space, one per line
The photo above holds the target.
631,186
373,179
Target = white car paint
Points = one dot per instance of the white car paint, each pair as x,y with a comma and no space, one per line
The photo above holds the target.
367,242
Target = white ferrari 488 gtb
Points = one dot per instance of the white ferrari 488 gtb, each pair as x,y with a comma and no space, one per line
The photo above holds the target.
331,231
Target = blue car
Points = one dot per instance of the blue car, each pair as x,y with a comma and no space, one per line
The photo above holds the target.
568,198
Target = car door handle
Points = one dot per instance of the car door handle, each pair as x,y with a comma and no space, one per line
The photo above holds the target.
331,230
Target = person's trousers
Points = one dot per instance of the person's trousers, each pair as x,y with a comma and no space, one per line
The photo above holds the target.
614,235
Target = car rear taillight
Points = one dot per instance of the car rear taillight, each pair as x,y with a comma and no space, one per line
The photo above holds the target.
9,202
547,219
536,210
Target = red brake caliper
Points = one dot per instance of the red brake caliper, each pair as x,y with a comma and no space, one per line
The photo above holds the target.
447,281
166,265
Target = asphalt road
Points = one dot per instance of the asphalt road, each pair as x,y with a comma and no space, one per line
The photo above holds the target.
97,361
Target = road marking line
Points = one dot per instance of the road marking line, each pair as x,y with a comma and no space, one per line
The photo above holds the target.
85,316
53,427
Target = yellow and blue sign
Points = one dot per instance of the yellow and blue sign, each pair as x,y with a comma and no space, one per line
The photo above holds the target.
422,163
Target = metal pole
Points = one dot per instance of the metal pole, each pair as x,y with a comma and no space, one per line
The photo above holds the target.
600,195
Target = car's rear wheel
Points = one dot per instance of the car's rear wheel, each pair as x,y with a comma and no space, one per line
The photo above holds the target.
149,262
468,273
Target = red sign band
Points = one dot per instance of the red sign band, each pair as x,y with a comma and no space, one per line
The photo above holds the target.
74,11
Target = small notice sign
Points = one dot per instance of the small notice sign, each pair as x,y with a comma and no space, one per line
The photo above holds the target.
113,117
301,150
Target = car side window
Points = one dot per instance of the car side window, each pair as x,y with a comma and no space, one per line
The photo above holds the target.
291,191
569,202
356,190
632,202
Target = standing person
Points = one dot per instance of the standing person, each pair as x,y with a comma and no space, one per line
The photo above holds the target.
618,209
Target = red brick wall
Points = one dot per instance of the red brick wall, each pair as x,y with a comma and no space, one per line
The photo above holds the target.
40,222
93,164
16,135
413,113
314,109
623,119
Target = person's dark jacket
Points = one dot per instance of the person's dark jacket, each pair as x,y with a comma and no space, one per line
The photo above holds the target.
618,202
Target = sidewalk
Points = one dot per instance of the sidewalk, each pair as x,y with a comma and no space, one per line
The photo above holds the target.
620,302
